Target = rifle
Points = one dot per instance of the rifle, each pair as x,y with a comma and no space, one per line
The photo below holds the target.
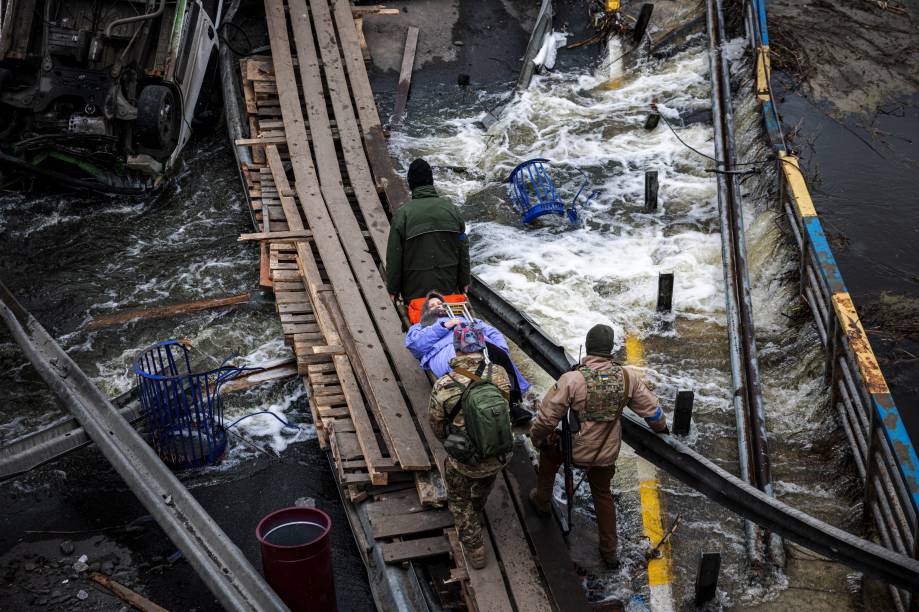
570,426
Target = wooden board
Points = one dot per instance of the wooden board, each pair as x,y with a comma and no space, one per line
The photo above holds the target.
551,549
487,584
396,552
361,419
514,551
397,420
415,383
405,76
377,150
404,524
365,191
291,213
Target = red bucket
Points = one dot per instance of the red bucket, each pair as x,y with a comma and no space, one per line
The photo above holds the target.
297,558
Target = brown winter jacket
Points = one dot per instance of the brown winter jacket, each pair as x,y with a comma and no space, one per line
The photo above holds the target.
571,390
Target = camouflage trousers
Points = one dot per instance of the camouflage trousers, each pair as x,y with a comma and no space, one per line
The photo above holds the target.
466,497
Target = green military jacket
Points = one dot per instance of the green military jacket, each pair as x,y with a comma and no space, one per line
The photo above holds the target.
427,248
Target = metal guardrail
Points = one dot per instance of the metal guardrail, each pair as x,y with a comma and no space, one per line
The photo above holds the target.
219,562
884,455
746,392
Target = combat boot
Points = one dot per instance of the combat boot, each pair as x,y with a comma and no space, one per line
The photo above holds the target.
476,557
542,509
610,559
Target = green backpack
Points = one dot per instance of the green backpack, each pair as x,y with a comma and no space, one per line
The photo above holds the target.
487,422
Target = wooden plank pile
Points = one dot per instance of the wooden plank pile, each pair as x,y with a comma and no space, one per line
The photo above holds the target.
320,184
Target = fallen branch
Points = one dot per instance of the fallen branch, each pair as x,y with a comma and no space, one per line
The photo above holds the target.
125,594
160,312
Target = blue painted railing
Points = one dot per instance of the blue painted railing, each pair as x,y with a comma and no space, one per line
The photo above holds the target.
883,452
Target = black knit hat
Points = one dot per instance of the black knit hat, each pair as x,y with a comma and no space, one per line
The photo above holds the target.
600,341
419,173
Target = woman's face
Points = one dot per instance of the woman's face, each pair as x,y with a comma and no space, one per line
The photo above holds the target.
435,303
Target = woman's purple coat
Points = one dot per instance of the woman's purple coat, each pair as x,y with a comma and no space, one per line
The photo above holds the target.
433,347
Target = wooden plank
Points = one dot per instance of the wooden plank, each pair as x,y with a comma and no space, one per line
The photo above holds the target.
551,550
348,447
375,217
160,312
374,139
260,141
405,76
394,505
487,584
254,380
397,525
264,272
514,551
365,50
275,235
459,572
280,180
301,307
396,552
290,297
379,9
331,400
397,420
354,60
359,416
291,329
414,381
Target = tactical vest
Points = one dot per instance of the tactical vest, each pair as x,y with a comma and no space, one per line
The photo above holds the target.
607,394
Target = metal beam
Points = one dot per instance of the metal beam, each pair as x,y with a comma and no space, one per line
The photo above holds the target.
219,562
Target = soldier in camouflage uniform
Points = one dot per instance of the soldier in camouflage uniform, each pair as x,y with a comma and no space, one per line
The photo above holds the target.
598,391
468,486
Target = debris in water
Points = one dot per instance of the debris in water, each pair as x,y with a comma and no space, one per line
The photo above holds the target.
67,547
81,595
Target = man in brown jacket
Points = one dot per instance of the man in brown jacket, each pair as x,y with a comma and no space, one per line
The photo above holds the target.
598,391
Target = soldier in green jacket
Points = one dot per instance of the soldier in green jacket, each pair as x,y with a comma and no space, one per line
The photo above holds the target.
427,249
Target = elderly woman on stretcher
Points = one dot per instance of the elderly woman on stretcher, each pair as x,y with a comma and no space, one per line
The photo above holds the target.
431,342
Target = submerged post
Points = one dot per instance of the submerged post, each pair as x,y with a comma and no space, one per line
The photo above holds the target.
682,412
651,188
665,292
707,577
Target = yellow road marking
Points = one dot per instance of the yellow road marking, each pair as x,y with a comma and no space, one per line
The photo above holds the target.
660,570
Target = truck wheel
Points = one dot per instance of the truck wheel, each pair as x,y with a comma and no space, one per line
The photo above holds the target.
156,125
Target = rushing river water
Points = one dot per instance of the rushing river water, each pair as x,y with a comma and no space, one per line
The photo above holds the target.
72,258
605,270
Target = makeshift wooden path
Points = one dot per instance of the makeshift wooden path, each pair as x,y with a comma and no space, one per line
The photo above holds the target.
321,186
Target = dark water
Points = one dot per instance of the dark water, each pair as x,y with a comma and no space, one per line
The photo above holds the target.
852,100
295,534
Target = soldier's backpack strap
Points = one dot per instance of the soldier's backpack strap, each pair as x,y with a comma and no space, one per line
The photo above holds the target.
472,376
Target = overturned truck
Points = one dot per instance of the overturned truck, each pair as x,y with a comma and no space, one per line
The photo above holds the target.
100,94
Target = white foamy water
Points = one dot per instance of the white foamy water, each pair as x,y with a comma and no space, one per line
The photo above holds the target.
605,270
